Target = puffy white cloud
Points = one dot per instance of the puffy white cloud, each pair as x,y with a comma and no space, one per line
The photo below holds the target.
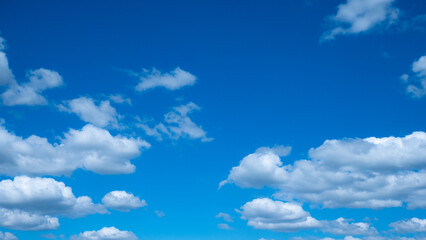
122,201
354,173
106,233
173,80
29,93
412,225
177,125
101,115
343,226
90,148
226,217
357,16
7,236
265,213
419,69
21,220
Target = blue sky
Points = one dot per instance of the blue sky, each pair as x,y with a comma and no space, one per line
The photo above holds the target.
208,120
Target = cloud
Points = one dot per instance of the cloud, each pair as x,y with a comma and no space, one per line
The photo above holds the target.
343,226
177,125
226,217
7,236
117,98
419,70
412,225
106,233
353,173
30,204
173,80
90,148
6,75
122,201
101,115
259,169
265,213
224,226
29,93
159,214
357,16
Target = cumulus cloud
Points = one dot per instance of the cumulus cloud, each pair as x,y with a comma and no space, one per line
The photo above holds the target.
357,16
173,80
265,213
412,225
90,148
106,233
122,201
32,203
226,217
419,78
30,93
177,125
355,173
101,115
7,236
343,226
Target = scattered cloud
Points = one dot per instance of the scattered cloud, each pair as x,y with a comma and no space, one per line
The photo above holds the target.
357,16
90,148
122,201
354,173
419,77
101,115
177,125
343,226
412,225
224,226
106,233
172,80
226,217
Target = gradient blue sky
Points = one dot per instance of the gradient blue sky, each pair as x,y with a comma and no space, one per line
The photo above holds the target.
260,73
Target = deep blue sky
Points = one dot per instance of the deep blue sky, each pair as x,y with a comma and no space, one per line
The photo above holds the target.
264,78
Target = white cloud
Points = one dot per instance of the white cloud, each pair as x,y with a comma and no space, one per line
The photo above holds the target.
173,80
353,173
357,16
265,213
6,75
101,115
224,226
412,225
122,201
7,236
419,69
21,220
106,233
90,148
117,98
29,93
159,214
343,226
177,125
226,217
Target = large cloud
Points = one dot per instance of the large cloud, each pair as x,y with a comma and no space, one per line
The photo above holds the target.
412,225
357,16
173,80
355,173
21,220
122,201
106,233
90,148
419,70
101,115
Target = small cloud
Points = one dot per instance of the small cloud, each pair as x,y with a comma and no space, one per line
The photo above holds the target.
120,99
224,226
159,214
122,201
226,217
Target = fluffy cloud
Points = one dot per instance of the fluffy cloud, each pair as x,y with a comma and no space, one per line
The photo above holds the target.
226,217
357,16
106,233
101,115
7,236
419,69
90,148
354,173
177,125
265,213
409,226
343,226
173,80
30,203
122,201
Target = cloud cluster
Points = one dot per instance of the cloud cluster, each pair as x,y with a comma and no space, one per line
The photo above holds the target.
177,125
357,16
106,233
412,225
122,201
91,148
101,115
354,173
419,70
173,80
